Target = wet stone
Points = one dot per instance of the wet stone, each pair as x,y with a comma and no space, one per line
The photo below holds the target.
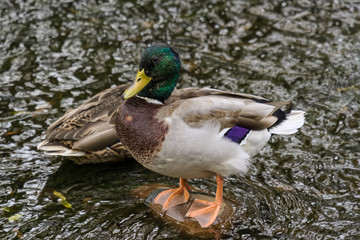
176,214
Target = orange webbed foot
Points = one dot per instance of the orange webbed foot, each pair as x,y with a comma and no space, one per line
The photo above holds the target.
206,212
173,197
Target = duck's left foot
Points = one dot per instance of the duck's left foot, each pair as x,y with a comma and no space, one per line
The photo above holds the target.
204,212
174,197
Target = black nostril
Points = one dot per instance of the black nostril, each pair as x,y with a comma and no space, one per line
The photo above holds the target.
138,80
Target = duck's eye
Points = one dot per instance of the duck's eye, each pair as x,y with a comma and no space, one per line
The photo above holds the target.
155,59
147,72
150,64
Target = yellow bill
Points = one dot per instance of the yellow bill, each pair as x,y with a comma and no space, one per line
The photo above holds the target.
141,81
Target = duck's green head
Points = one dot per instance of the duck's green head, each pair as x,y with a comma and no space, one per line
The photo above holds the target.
158,73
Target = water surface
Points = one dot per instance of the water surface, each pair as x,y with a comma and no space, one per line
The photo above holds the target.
56,54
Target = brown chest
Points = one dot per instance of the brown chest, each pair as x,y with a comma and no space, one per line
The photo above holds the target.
139,130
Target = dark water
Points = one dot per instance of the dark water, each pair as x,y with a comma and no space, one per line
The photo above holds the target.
56,54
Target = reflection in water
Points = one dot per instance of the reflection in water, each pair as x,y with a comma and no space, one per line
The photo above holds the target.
55,55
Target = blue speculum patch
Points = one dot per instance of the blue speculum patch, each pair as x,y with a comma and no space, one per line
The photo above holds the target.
237,134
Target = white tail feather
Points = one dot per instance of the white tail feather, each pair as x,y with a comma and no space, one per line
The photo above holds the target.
294,120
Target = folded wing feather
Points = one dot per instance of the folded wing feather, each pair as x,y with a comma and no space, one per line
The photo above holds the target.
227,109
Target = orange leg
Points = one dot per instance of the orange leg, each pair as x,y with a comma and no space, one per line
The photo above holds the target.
174,197
206,212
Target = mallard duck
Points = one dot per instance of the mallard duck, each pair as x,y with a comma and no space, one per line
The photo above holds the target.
211,134
87,134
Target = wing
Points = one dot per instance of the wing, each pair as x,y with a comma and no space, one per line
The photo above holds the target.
227,109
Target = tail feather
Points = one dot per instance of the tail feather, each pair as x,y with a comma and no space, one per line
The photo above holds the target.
294,120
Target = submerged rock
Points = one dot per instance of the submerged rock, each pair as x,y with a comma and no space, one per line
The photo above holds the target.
176,214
